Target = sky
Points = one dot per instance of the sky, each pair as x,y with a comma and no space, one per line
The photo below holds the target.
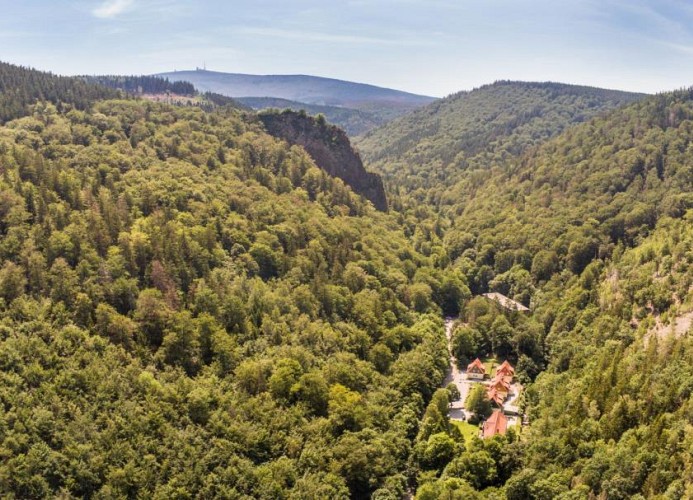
432,47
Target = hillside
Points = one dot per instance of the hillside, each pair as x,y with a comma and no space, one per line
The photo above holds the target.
330,149
477,129
22,87
592,231
597,186
188,306
353,121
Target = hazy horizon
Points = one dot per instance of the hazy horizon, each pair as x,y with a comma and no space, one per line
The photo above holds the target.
426,47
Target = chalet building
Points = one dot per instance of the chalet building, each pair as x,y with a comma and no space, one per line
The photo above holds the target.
500,383
499,388
506,369
497,423
496,397
476,370
506,302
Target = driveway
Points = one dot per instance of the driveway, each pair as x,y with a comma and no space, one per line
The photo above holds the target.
457,410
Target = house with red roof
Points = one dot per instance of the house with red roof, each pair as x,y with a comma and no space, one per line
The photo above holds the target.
496,397
497,423
500,387
506,370
476,370
500,383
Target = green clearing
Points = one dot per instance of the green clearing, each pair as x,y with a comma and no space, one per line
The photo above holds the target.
490,365
467,430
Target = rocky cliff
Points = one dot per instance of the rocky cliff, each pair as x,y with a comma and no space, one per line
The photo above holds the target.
330,148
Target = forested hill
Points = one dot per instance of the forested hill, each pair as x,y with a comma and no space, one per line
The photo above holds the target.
597,186
190,307
21,87
593,230
142,84
468,130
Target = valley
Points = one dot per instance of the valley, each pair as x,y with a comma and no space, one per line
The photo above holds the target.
485,297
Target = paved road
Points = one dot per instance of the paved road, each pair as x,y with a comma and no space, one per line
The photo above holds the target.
457,376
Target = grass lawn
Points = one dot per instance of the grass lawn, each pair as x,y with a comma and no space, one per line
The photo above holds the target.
468,430
490,364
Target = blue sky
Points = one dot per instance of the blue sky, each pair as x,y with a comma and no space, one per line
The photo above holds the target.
433,47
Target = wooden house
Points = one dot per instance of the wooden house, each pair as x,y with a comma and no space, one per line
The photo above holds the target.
476,370
506,369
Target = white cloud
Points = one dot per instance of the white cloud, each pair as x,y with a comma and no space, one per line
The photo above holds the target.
680,47
329,37
111,8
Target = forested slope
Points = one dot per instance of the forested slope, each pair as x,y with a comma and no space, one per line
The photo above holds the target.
593,231
612,414
429,147
595,189
21,87
189,307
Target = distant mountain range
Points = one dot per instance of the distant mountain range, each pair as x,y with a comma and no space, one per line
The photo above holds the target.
301,88
374,105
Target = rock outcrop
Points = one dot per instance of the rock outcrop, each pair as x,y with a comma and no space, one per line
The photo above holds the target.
330,148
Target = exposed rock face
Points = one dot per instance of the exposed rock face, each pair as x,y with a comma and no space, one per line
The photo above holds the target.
331,150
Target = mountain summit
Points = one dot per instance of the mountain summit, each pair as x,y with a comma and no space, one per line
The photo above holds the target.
356,107
302,88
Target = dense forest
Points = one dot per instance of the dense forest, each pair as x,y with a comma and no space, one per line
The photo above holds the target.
21,87
432,146
592,230
142,84
191,307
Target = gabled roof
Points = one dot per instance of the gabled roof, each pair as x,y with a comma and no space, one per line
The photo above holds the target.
476,366
505,367
506,379
500,384
495,396
497,423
